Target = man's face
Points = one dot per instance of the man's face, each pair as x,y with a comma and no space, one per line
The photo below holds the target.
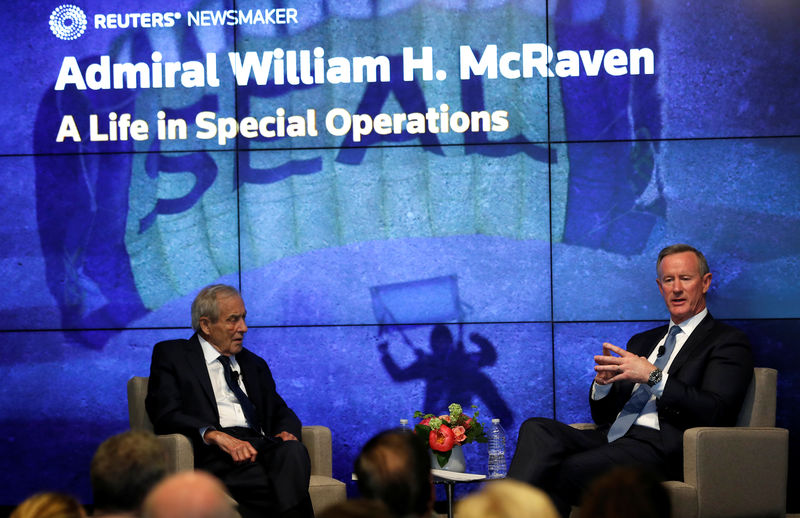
682,286
227,333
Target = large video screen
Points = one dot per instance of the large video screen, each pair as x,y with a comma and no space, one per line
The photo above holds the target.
421,202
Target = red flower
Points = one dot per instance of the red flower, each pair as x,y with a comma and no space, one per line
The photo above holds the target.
442,439
425,421
468,423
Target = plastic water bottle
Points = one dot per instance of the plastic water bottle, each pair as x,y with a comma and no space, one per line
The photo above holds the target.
497,450
404,425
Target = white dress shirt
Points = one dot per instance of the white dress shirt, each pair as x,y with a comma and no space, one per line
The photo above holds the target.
649,414
230,410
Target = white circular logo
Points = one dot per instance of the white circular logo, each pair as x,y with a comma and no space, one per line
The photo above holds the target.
68,22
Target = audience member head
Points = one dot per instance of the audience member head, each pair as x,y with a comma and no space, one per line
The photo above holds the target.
359,508
395,468
626,492
124,469
507,499
49,505
189,494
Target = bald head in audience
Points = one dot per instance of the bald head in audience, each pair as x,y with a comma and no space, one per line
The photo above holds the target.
189,494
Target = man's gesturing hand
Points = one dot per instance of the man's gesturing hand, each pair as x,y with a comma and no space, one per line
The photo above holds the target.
626,366
240,451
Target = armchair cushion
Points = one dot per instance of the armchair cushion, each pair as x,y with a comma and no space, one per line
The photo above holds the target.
738,471
324,489
317,440
180,455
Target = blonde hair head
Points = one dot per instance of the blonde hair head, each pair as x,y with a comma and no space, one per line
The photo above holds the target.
49,505
507,499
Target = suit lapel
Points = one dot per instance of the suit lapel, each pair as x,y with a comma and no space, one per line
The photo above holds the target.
697,338
250,375
197,362
652,340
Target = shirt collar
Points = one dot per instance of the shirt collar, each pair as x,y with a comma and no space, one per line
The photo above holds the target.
689,325
209,352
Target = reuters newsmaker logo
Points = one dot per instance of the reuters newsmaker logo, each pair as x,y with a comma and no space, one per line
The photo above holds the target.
68,22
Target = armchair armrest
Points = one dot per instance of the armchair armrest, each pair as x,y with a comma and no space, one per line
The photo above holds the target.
317,440
737,471
178,448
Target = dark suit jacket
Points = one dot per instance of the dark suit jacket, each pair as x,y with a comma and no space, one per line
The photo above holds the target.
706,386
180,398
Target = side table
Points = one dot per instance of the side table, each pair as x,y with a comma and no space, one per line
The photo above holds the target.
450,479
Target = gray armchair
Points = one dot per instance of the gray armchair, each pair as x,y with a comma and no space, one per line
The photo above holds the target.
736,471
323,488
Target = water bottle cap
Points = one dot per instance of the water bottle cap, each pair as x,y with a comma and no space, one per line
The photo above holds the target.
495,421
403,421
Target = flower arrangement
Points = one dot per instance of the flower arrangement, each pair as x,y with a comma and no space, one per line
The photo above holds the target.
442,433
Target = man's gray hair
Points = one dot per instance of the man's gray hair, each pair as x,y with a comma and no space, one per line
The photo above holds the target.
207,305
680,248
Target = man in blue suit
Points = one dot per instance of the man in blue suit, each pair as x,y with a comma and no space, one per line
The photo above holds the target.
692,372
223,398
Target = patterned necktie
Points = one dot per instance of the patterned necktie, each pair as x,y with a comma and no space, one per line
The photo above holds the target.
247,406
630,412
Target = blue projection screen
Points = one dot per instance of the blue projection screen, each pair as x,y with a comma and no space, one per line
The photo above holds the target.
422,202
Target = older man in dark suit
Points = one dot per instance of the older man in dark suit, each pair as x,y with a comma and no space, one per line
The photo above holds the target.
692,372
223,398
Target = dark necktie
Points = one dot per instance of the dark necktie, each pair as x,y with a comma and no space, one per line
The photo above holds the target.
630,412
247,406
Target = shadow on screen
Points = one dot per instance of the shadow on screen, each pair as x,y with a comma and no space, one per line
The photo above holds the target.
452,372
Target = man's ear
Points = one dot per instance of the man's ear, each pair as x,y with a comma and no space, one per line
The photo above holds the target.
204,325
706,282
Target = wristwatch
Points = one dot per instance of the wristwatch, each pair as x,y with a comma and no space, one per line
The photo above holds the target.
655,377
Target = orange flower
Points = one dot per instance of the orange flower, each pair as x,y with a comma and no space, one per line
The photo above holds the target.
460,434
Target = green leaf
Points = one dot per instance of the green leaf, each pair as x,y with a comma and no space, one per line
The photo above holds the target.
442,457
423,432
